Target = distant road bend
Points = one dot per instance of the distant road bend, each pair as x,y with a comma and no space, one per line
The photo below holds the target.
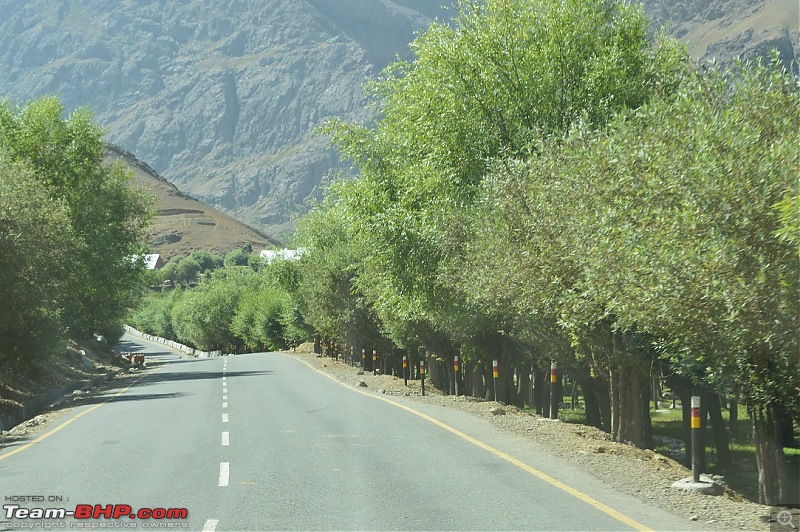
264,442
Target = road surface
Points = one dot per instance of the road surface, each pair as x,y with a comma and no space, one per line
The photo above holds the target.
264,442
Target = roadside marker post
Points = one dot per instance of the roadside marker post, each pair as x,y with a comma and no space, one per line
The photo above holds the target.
697,439
363,358
352,356
405,370
455,372
422,375
495,375
553,390
374,362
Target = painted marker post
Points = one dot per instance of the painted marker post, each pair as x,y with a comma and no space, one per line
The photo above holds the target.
495,375
422,375
374,362
553,390
697,439
405,370
363,357
455,372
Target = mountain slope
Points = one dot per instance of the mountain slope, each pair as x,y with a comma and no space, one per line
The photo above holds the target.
182,224
222,98
721,30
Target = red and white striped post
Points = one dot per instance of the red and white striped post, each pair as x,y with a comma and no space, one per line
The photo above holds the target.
697,439
422,374
553,390
363,357
405,370
495,376
374,362
455,372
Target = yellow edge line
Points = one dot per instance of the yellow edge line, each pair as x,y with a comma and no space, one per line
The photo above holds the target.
519,463
70,420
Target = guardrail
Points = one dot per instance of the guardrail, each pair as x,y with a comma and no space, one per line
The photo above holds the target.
175,345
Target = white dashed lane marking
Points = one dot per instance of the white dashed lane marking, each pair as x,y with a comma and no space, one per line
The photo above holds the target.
226,439
224,473
224,418
211,525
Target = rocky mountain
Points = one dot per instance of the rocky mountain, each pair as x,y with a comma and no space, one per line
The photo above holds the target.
722,30
222,97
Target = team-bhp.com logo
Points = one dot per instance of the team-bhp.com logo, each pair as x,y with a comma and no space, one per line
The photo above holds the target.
95,512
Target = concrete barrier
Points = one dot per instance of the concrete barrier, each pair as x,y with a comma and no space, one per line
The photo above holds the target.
197,353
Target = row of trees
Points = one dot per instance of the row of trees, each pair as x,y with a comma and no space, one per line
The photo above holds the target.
545,182
70,228
234,308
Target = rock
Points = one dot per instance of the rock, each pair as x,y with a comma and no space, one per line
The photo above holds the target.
381,390
360,372
600,449
88,364
78,393
361,384
695,517
497,411
706,486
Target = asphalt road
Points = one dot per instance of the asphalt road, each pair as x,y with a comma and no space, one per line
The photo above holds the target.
263,442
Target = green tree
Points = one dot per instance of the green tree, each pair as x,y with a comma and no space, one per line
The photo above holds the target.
36,248
202,317
237,257
107,217
504,75
207,261
187,269
663,229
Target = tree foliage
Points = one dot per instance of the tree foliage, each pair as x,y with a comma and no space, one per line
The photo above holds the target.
105,219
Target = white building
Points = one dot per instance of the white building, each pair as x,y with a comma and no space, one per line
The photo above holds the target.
269,255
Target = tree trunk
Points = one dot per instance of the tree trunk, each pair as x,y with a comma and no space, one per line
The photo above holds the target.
507,394
733,417
613,392
686,408
775,420
591,405
655,384
489,381
435,372
538,391
477,381
524,386
451,377
764,462
711,403
544,384
647,422
573,399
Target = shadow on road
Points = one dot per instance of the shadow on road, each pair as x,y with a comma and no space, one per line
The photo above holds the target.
128,397
167,376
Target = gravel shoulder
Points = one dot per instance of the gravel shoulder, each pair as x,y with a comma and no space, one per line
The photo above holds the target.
638,472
